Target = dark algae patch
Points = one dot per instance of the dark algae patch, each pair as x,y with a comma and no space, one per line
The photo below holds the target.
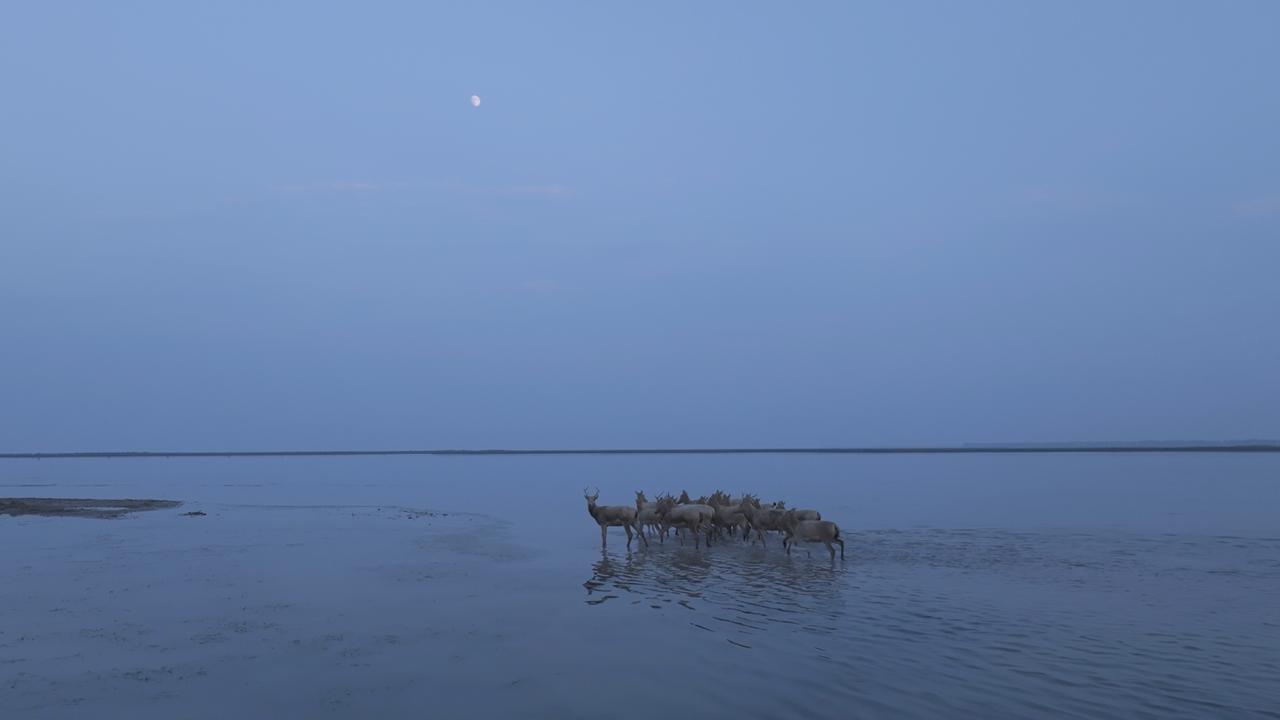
80,507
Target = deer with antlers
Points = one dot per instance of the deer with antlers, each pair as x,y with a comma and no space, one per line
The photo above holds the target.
728,514
647,514
607,516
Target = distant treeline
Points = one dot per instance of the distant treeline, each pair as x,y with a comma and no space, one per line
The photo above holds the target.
973,448
1135,444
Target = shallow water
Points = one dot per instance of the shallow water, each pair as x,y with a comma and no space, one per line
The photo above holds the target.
993,586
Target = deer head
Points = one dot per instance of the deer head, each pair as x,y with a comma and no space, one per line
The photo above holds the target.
665,503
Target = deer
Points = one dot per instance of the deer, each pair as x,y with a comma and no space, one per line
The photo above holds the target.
684,499
691,516
647,514
607,516
762,519
728,514
812,531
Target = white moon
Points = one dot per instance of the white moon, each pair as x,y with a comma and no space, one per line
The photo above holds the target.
475,101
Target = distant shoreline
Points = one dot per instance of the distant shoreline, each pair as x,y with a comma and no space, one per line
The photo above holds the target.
937,450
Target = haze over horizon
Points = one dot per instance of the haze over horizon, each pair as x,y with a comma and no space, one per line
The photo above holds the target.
714,225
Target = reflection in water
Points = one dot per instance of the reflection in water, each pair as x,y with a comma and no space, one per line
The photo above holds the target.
1026,617
746,588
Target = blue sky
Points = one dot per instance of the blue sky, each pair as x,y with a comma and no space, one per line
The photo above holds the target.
241,226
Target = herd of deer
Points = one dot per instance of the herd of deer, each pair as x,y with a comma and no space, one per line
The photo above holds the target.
713,517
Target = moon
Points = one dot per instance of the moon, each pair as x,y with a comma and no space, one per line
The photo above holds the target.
475,101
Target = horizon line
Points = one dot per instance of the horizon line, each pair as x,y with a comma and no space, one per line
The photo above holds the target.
1269,447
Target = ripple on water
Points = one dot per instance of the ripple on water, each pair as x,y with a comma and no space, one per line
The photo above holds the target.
929,623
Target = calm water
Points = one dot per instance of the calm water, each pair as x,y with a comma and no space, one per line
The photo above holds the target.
981,586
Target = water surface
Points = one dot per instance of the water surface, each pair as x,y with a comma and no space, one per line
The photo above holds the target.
993,586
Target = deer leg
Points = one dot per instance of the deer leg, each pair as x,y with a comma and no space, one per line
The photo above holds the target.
830,549
841,541
604,542
628,529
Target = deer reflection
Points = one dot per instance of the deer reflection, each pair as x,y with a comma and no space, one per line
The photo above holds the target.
750,589
608,574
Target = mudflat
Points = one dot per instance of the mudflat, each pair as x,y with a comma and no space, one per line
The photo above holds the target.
105,509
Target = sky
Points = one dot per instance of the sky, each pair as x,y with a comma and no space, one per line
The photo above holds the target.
246,225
